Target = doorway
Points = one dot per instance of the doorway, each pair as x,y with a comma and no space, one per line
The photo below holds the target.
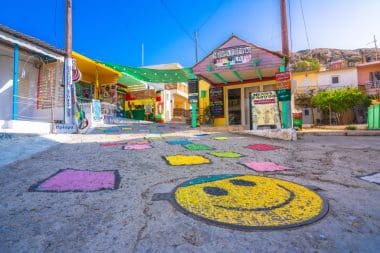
234,106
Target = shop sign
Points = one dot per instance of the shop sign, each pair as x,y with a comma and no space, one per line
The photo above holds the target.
283,95
217,102
283,80
193,90
232,56
264,109
283,76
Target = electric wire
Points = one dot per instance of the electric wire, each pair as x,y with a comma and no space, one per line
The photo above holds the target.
304,24
210,15
181,26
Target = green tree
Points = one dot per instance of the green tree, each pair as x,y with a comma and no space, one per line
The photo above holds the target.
338,100
307,64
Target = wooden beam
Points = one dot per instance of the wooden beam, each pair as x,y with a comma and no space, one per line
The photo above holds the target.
238,76
217,75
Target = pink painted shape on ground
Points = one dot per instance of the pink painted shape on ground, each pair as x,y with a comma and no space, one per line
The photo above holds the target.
108,144
264,166
80,180
137,142
263,147
137,147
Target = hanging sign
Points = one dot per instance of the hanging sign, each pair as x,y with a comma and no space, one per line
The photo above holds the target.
283,95
283,80
193,85
217,102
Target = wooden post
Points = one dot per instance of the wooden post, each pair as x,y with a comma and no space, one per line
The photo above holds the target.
284,29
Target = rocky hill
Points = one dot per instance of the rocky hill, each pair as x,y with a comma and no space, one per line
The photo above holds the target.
327,55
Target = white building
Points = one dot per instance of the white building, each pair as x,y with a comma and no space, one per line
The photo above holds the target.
31,86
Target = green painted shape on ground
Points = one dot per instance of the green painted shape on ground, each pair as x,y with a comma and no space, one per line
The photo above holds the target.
227,154
198,147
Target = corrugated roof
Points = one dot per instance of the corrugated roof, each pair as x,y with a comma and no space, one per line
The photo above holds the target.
31,39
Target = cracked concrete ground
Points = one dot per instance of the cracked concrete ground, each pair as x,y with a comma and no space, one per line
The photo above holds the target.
127,220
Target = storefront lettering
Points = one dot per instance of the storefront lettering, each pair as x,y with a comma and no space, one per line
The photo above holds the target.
232,56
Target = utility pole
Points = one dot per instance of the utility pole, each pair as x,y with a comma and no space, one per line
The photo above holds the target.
68,65
374,41
142,54
284,29
196,46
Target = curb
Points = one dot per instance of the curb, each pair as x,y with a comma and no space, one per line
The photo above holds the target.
340,133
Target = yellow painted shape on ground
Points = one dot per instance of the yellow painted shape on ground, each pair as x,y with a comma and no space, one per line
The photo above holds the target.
221,138
168,135
186,159
250,201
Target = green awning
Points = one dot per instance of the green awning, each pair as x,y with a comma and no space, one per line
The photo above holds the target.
155,75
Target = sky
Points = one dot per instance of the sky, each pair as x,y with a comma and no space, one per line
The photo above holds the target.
114,30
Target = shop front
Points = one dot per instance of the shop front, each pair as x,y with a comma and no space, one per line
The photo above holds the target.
243,87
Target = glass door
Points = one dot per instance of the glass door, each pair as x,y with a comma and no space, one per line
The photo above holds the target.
234,107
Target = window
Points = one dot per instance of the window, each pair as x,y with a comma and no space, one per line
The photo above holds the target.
374,76
335,79
306,112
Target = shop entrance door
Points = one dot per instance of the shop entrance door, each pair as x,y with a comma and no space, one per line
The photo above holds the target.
247,103
234,107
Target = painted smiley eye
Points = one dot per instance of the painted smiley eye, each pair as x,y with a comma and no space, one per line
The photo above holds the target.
241,182
216,191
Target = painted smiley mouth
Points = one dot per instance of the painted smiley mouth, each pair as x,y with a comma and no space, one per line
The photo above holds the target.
268,208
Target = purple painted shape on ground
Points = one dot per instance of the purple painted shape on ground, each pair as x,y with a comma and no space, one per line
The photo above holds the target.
79,180
137,146
264,166
263,147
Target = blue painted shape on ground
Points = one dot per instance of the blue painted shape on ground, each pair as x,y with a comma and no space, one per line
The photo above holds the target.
201,134
205,179
179,142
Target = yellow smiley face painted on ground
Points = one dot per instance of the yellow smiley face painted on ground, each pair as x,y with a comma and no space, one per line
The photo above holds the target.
250,202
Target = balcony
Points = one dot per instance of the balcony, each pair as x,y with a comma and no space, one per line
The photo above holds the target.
372,87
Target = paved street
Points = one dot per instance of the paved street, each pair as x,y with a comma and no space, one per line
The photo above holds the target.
42,210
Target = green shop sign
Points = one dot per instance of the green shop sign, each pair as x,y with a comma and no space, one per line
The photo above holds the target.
283,95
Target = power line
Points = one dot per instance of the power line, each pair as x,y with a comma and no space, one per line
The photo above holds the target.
180,24
290,28
304,24
211,15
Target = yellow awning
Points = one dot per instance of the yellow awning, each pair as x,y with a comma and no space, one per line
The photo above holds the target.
90,69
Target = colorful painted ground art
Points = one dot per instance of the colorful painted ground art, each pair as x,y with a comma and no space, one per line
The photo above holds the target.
227,154
152,138
177,160
137,147
71,180
179,142
263,147
201,134
110,130
247,202
110,144
373,178
220,138
263,166
137,142
198,147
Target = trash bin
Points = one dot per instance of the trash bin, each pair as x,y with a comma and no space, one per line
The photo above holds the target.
297,120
